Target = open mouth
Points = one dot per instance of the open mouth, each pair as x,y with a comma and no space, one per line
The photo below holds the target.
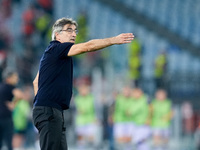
73,40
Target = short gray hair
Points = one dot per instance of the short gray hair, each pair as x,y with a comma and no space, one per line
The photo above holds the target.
60,23
8,72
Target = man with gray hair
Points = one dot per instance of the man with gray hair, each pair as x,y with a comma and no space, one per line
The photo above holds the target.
53,82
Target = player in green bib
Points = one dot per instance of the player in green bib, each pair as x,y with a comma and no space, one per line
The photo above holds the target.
141,119
161,111
122,117
21,118
85,119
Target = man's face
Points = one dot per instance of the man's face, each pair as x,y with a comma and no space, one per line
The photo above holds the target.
68,34
161,95
13,79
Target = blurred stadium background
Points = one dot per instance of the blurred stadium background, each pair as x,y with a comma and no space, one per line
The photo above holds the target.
171,27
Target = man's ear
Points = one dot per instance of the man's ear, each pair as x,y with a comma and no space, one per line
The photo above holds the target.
57,35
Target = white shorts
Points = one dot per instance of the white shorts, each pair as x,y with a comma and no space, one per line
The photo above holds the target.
141,133
123,129
161,132
86,130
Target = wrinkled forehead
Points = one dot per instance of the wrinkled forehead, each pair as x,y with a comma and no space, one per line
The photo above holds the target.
72,26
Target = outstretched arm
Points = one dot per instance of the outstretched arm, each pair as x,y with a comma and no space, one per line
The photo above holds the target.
97,44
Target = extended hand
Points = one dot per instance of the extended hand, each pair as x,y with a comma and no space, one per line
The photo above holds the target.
123,38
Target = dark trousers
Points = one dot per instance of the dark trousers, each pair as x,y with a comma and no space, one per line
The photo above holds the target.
6,132
50,124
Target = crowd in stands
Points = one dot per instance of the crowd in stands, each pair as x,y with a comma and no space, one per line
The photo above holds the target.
34,34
